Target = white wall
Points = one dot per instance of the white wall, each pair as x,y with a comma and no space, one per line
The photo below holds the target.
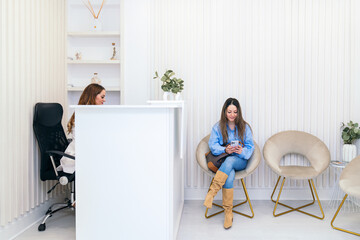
136,55
292,65
355,60
355,64
32,70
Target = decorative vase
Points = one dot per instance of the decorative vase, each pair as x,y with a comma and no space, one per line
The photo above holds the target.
168,96
96,79
96,25
349,152
178,97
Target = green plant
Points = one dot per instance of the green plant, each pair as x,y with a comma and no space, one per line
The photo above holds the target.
170,83
350,132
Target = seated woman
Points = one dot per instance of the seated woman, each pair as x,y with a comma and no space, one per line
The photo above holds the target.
231,127
93,94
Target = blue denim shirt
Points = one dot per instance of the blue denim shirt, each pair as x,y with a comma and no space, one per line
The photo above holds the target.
216,141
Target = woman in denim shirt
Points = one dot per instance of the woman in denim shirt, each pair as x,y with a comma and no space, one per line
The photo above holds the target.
231,127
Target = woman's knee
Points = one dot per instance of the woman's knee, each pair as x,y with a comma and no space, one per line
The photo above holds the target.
228,163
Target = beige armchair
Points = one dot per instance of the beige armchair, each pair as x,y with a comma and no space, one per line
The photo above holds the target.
302,143
350,184
253,163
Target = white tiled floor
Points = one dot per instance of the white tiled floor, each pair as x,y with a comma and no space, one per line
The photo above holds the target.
263,226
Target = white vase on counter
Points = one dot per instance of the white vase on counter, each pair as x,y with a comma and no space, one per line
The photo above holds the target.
178,97
168,96
349,152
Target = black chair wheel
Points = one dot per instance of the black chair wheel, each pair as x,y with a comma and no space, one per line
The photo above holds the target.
42,227
48,211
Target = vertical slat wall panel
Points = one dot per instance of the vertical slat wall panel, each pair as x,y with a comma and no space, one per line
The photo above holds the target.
288,62
3,143
32,70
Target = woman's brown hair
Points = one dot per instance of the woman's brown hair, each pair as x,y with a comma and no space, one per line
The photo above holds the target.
87,97
240,123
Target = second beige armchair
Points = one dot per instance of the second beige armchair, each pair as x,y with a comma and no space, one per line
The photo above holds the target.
302,143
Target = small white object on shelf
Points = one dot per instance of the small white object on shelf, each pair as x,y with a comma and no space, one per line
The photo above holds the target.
97,23
96,79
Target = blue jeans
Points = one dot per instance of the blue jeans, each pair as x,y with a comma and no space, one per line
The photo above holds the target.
229,166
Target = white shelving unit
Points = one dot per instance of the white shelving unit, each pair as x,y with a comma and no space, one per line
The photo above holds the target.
96,49
93,62
94,34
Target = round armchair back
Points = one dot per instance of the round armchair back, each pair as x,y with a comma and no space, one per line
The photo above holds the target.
286,142
203,147
350,178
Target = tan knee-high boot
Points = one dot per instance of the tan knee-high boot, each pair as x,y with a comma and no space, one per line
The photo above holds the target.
218,182
228,197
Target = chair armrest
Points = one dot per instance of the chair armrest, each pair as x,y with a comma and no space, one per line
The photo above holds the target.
54,152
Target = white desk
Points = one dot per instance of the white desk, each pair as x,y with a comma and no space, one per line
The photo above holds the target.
129,174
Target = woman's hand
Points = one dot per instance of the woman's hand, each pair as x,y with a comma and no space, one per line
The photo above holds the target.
238,149
229,149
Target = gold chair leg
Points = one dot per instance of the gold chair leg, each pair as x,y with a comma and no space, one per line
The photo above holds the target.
214,204
247,200
341,229
311,185
243,214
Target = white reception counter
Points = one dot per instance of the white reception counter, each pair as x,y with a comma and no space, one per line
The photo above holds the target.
129,173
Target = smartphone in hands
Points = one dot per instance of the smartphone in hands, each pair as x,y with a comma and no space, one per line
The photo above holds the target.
234,143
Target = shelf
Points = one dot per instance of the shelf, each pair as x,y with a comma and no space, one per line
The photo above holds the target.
93,61
78,89
107,3
94,34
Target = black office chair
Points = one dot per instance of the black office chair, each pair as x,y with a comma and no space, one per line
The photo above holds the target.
52,143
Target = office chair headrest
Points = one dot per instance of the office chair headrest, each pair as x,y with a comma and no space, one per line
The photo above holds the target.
48,114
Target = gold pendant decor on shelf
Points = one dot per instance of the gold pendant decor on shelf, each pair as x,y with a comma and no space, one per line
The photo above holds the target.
114,52
88,5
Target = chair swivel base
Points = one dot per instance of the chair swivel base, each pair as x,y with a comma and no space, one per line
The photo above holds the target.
335,215
50,212
311,185
239,204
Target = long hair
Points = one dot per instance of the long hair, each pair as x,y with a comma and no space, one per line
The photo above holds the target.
87,97
240,123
